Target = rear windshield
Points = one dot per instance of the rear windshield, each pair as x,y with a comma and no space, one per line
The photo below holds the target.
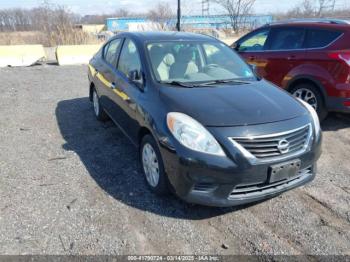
317,38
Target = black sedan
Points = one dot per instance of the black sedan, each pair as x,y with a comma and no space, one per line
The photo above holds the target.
207,128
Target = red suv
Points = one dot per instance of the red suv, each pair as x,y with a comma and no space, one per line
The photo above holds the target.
309,58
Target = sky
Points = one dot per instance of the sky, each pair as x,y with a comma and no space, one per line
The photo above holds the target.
84,7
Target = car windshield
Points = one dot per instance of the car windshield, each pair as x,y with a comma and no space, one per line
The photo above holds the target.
196,62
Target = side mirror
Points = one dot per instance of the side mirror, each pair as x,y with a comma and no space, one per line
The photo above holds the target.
253,67
135,77
255,70
235,46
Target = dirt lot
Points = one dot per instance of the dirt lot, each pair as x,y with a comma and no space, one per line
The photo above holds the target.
71,185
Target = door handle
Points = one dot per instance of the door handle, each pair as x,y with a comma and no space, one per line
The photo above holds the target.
252,57
115,87
291,57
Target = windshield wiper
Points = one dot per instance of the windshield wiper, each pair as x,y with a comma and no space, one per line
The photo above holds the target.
209,83
177,83
236,81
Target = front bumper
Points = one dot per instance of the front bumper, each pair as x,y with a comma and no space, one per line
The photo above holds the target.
232,195
232,180
338,99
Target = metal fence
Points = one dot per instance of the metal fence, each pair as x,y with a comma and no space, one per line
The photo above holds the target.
197,22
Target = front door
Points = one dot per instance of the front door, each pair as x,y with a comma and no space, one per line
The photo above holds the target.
252,49
125,91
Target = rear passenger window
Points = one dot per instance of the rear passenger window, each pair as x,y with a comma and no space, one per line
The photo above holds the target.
105,49
110,52
317,38
286,39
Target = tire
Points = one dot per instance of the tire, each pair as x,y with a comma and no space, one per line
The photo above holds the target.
310,94
153,166
98,110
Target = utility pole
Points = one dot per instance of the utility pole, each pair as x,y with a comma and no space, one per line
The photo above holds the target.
178,24
205,7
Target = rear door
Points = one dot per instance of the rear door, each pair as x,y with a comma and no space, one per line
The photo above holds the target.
252,49
285,50
106,71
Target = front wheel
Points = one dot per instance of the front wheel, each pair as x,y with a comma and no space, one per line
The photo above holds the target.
312,96
152,166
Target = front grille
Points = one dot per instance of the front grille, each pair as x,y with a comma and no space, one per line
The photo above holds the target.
252,190
271,146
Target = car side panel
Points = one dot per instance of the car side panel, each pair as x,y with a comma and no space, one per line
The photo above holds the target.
98,76
280,63
330,71
128,104
125,99
259,59
312,72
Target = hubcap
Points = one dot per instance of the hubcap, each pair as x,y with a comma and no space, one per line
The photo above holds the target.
150,165
307,95
95,102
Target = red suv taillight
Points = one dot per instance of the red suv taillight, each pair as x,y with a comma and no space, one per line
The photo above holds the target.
341,55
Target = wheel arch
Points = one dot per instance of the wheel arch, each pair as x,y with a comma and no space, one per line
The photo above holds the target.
160,138
308,80
142,132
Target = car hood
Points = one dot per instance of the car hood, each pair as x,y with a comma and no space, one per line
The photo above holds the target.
232,105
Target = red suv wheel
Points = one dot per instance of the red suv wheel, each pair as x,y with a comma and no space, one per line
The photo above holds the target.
312,96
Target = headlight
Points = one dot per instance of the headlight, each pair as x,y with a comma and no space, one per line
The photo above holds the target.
314,116
192,134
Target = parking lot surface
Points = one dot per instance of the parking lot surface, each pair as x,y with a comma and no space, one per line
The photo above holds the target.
72,185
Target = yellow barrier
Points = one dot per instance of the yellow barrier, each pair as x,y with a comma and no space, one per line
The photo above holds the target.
75,54
20,55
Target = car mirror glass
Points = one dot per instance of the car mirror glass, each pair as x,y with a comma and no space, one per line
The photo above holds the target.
235,46
254,68
135,77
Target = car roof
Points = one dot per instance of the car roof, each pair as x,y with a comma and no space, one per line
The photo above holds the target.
161,36
319,23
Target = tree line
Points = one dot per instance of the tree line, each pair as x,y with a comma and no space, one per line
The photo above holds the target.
316,9
40,18
49,17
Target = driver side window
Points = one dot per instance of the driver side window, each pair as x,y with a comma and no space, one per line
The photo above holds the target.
255,42
129,58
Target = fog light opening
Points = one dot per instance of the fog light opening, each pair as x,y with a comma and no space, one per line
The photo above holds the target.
204,187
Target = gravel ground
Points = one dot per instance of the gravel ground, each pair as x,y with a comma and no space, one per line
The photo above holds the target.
71,185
